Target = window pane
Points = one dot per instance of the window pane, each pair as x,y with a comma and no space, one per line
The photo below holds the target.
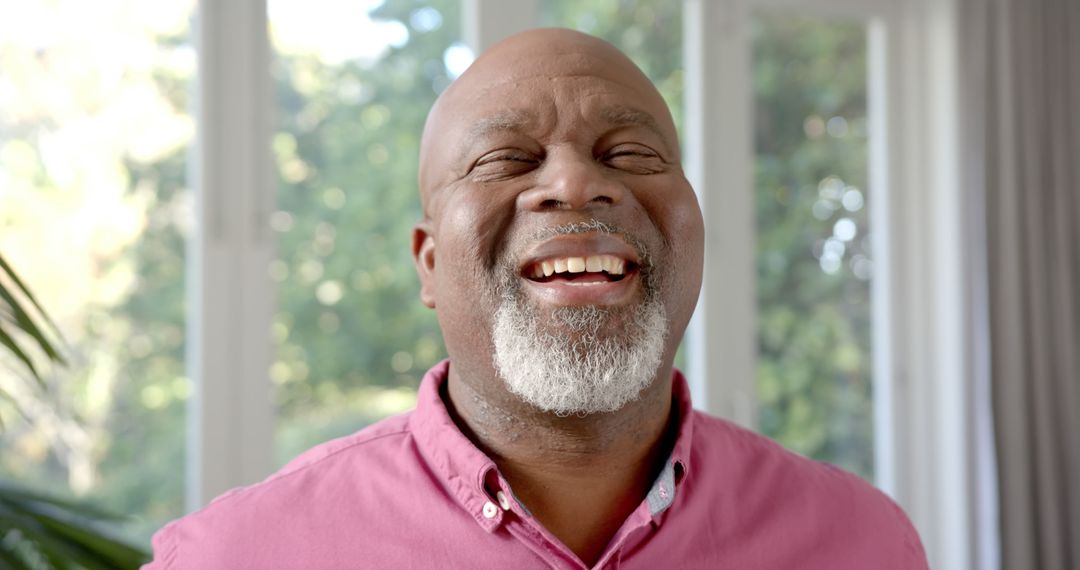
94,130
354,84
813,253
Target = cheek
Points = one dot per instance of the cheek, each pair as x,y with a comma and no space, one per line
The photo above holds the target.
467,236
468,233
675,212
469,230
673,209
689,233
691,257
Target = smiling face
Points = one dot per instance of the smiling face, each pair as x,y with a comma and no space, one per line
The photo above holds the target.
560,232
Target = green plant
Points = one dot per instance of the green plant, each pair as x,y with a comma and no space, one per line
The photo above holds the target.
14,314
39,531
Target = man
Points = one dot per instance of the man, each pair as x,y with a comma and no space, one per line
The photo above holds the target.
561,248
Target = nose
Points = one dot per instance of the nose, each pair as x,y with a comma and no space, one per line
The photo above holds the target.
568,181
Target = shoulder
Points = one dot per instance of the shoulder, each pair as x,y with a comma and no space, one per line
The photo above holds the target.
778,491
755,461
309,489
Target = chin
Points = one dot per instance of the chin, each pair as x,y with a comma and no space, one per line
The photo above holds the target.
579,360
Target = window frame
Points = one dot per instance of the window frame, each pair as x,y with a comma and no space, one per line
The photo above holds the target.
229,292
925,321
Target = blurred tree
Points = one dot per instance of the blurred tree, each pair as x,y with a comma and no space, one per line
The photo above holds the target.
813,261
92,148
353,338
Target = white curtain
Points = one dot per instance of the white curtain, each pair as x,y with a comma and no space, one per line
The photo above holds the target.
1020,90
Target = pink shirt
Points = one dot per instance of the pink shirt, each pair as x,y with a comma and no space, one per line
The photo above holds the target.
413,492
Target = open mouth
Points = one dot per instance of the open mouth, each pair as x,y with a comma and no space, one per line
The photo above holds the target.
580,271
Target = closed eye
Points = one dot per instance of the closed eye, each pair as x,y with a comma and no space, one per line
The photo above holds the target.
503,164
634,158
629,153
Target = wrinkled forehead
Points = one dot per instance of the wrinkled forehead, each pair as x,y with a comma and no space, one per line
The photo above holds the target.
554,107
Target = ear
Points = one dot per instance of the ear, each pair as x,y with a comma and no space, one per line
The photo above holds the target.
423,250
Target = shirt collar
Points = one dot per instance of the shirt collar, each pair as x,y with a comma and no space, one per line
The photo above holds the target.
460,466
662,493
684,406
465,471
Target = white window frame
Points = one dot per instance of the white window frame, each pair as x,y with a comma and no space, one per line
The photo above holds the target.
922,326
923,333
230,295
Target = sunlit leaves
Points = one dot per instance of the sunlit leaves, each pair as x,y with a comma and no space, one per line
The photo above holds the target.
813,377
350,329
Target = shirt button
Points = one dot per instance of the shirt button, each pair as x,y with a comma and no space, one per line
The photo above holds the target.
490,510
503,501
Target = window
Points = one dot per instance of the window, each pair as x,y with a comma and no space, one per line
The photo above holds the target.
352,338
94,210
785,108
812,250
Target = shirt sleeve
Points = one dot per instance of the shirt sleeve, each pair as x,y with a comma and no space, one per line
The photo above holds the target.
164,545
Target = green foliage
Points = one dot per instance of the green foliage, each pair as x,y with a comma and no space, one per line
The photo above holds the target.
136,452
347,148
147,423
39,531
813,374
42,532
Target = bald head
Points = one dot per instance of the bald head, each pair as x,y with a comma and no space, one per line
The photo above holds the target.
510,87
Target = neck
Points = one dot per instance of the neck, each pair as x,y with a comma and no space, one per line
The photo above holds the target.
579,476
506,428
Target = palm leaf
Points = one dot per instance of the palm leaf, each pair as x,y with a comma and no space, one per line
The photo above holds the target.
23,320
13,347
14,317
37,530
17,493
11,559
6,269
64,533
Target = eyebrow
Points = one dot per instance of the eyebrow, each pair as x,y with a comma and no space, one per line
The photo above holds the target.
621,115
514,121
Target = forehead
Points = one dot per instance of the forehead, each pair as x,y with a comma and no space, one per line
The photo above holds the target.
546,104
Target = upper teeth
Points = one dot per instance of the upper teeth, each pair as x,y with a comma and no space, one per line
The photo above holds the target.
593,263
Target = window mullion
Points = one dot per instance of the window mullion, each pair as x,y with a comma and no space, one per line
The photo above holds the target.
230,417
719,162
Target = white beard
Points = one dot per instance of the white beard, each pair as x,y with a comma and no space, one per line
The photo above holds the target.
598,367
